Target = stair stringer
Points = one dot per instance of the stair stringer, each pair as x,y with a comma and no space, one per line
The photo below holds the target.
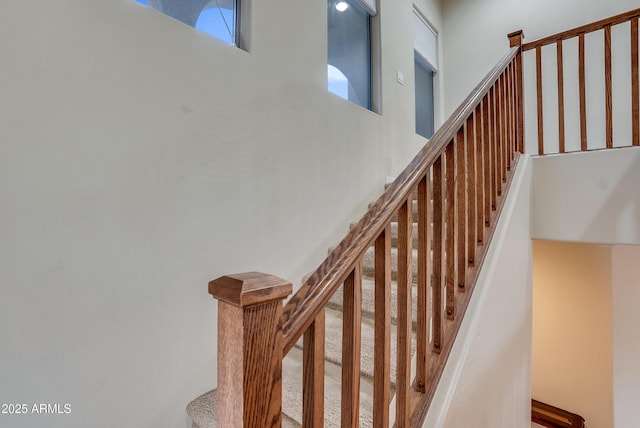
486,381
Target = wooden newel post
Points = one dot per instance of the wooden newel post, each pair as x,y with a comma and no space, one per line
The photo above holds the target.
249,349
515,39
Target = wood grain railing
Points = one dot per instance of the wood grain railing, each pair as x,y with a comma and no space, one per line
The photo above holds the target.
548,415
559,40
461,177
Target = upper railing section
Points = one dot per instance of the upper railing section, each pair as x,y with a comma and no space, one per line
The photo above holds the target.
607,67
457,184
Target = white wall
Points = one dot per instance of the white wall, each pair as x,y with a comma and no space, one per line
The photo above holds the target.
140,159
477,39
487,380
626,342
587,197
572,355
477,32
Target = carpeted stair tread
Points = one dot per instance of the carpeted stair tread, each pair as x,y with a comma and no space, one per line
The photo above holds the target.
292,392
368,263
394,234
414,212
203,410
368,300
333,343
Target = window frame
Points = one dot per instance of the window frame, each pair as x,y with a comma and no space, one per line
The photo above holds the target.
240,20
429,60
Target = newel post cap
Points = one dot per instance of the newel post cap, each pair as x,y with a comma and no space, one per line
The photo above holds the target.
515,38
249,289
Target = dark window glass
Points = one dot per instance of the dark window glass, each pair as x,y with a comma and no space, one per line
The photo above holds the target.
349,62
424,98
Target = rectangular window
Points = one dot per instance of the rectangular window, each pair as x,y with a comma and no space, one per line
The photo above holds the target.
425,67
218,18
424,98
349,49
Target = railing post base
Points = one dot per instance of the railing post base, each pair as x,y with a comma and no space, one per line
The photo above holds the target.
249,349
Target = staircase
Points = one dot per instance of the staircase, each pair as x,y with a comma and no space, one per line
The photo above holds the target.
399,282
203,409
376,321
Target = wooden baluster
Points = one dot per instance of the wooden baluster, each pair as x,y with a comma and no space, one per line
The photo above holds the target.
509,107
486,149
514,112
461,218
509,114
382,338
492,142
509,127
313,374
499,136
450,229
424,258
480,187
472,198
507,124
520,92
560,64
515,39
635,85
583,94
438,230
403,376
502,106
608,86
249,349
496,144
351,328
539,93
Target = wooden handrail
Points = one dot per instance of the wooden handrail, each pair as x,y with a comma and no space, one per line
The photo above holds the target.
555,416
313,295
583,29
